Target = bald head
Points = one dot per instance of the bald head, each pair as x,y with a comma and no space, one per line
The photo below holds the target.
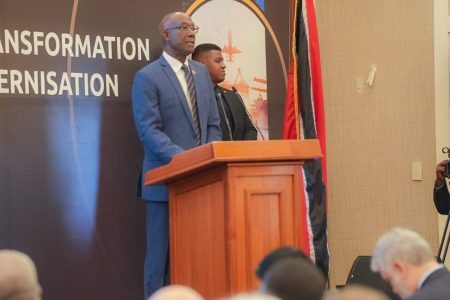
18,277
178,35
176,292
170,20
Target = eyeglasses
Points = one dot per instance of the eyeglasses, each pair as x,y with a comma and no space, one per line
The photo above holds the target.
185,27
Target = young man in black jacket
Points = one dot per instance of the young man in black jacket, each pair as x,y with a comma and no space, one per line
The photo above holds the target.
234,119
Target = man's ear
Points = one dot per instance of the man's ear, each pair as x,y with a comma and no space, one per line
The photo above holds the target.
400,268
165,35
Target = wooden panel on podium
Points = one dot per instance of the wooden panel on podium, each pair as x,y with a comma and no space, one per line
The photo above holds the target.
264,210
230,204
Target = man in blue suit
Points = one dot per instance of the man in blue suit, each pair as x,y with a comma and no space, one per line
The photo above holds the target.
174,110
404,259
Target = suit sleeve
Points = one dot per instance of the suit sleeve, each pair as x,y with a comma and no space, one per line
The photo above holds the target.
148,120
441,199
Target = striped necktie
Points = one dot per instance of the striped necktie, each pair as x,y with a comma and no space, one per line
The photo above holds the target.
193,96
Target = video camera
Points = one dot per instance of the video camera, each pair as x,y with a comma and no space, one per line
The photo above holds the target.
447,165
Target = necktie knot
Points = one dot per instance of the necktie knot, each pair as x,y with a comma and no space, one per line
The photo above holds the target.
185,69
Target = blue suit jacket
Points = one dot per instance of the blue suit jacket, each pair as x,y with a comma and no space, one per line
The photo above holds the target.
163,119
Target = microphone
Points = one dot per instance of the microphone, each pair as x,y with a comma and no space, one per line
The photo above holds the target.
235,91
222,107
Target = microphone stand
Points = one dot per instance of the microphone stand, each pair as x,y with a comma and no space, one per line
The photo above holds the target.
445,235
222,107
246,111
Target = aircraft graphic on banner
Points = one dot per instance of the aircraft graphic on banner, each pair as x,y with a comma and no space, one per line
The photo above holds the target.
229,49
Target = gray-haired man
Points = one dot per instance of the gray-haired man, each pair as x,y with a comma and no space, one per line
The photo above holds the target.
404,259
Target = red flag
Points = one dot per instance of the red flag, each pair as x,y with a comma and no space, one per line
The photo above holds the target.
304,118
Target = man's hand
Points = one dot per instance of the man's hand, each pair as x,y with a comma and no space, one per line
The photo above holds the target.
440,173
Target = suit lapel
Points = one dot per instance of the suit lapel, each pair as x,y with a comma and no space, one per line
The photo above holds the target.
178,89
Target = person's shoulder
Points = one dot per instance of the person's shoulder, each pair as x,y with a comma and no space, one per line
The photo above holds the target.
151,67
225,90
196,64
198,67
436,288
229,94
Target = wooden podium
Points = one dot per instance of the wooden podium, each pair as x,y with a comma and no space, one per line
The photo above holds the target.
230,204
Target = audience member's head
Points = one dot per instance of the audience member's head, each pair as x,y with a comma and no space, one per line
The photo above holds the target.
331,294
252,296
355,292
176,292
18,277
278,255
294,279
402,257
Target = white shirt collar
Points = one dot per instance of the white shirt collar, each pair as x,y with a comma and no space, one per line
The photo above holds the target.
174,63
427,274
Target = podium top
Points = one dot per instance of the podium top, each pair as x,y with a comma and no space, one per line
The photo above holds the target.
219,153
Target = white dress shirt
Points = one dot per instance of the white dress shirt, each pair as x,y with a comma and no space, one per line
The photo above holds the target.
176,65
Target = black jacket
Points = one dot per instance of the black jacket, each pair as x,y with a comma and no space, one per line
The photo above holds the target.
241,126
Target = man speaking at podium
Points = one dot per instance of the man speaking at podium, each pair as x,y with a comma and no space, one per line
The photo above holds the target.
174,109
234,119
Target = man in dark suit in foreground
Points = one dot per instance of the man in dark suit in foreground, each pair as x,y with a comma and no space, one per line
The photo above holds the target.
441,195
234,120
174,110
404,259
